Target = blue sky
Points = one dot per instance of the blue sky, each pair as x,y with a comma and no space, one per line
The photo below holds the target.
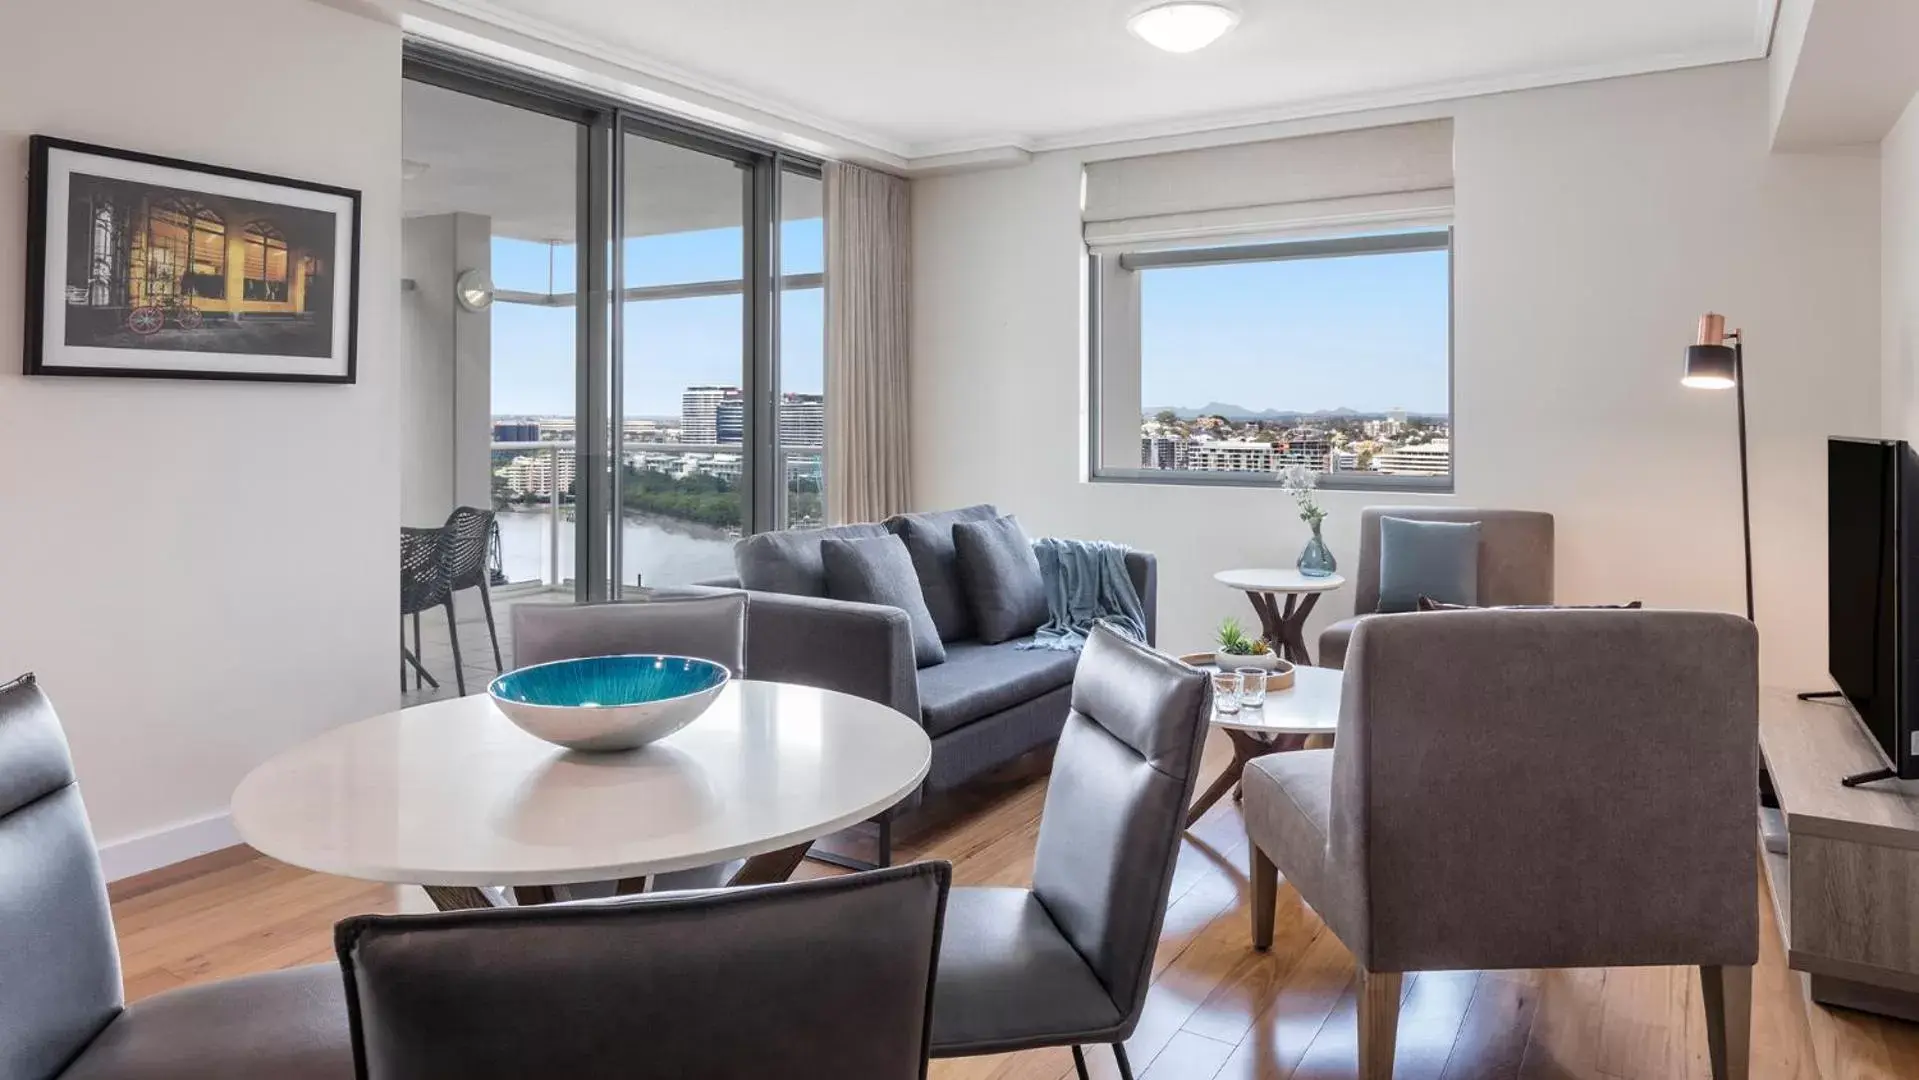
1367,333
670,344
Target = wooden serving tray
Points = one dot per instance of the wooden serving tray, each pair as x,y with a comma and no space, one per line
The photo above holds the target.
1280,678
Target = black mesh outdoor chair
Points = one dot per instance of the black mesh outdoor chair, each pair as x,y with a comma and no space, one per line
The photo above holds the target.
423,587
469,540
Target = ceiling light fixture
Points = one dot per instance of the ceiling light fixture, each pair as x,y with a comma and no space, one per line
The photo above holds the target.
1183,26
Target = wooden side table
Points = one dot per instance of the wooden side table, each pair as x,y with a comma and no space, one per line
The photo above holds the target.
1283,626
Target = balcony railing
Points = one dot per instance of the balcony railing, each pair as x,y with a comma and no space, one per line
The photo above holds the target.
800,502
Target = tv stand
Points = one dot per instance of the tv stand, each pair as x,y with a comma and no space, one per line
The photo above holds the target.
1840,887
1819,695
1868,777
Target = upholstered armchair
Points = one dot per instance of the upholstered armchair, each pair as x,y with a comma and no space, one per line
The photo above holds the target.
1528,789
1515,563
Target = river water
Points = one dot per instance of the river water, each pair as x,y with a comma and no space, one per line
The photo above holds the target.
663,552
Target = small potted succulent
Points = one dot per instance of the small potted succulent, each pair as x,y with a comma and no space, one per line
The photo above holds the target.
1237,650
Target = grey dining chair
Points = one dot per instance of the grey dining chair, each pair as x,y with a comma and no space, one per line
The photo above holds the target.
1528,789
1066,962
62,1013
829,979
707,627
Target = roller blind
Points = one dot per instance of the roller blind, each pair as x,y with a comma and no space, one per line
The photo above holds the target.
1381,174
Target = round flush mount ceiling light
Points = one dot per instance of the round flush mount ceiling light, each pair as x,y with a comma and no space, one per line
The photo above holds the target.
1183,26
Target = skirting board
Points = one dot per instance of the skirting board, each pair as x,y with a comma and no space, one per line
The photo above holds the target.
164,847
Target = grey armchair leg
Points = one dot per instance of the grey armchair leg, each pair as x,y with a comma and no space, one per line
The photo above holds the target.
1265,898
1379,993
1119,1055
1728,994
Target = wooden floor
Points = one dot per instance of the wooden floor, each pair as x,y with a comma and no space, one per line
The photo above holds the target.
1217,1009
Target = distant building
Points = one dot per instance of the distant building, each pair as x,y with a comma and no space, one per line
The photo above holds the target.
516,431
1232,455
802,421
1310,451
533,474
729,421
699,412
1162,452
1427,459
1342,461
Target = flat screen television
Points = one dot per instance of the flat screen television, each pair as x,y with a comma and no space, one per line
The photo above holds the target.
1872,597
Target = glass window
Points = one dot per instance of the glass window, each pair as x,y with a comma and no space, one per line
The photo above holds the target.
683,423
1234,363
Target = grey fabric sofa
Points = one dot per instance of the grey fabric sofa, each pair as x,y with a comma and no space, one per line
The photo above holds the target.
1515,563
983,707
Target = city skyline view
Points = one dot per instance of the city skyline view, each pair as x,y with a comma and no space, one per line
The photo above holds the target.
1367,333
670,344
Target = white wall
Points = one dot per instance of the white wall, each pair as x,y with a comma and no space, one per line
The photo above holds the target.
446,383
1899,262
1595,223
202,573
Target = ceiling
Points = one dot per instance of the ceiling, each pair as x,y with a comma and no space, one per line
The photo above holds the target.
469,155
922,78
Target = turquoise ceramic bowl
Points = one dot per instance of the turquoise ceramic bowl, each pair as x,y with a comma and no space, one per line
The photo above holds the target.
603,703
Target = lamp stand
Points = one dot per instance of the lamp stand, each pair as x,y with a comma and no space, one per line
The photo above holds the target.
1745,484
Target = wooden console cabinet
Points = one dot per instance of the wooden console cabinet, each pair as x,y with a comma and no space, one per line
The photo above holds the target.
1846,892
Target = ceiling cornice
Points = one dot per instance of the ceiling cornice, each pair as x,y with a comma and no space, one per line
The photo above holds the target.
662,85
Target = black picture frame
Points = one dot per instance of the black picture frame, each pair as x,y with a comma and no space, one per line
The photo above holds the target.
161,323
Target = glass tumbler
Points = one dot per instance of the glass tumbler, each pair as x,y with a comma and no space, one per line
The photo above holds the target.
1226,691
1252,687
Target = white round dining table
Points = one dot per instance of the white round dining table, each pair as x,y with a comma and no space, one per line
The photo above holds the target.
452,796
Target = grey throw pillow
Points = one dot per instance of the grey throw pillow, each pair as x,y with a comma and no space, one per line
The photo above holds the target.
1002,578
929,539
788,561
1436,559
877,570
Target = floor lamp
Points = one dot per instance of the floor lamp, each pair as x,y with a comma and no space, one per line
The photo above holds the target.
1714,365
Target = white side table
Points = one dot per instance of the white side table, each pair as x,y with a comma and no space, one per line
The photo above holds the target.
1309,710
1284,627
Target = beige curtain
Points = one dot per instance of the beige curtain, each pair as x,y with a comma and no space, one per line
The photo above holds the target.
868,475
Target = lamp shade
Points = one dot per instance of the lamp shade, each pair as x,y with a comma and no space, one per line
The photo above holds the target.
1711,367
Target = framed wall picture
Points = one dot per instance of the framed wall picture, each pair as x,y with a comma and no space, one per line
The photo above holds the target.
150,267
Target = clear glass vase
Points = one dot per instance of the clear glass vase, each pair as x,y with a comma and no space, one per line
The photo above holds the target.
1317,559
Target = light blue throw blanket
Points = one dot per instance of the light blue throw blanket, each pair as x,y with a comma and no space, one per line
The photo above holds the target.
1086,582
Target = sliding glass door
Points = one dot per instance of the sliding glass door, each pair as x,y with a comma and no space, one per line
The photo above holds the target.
683,362
650,386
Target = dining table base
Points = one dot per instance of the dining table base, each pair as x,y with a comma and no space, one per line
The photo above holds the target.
768,869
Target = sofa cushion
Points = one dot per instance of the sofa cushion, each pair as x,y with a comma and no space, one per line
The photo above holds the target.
978,680
929,538
1439,559
877,570
788,561
1003,582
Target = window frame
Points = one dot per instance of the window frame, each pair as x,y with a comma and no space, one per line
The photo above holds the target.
1100,264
